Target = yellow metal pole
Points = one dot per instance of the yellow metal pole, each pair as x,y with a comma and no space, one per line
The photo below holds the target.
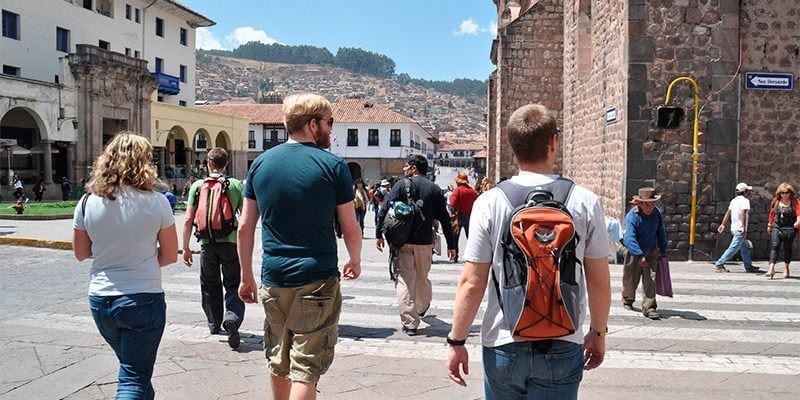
695,153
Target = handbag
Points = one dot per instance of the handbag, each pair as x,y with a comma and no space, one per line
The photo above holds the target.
663,279
454,223
785,232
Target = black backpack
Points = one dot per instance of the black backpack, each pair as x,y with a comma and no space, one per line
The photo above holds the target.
402,216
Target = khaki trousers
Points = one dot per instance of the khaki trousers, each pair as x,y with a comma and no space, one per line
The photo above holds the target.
414,290
633,272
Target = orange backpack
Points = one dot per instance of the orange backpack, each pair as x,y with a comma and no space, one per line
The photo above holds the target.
215,217
539,296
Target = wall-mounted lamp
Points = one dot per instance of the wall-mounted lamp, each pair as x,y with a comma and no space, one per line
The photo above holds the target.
65,119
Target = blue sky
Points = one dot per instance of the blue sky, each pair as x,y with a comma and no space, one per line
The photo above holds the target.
431,39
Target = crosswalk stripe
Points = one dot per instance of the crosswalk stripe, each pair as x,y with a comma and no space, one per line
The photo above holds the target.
730,363
617,359
380,279
351,288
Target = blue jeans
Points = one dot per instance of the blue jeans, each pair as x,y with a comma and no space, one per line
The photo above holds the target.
737,244
132,325
546,370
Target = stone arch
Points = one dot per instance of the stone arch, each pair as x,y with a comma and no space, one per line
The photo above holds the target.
201,144
178,152
223,140
355,170
27,127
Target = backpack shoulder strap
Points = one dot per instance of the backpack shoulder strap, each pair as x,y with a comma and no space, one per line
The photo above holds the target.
517,194
83,203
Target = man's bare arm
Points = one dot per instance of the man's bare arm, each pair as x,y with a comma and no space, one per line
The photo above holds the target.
598,288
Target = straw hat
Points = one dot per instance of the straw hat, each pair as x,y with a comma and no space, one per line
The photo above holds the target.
647,195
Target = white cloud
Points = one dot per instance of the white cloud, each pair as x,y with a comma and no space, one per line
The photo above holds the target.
468,27
492,28
205,40
245,34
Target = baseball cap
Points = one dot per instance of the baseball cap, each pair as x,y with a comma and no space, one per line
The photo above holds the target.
742,187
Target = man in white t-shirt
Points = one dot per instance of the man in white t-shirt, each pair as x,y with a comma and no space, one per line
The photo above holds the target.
739,214
531,369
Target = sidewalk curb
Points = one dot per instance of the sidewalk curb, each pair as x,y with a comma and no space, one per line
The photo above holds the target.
30,242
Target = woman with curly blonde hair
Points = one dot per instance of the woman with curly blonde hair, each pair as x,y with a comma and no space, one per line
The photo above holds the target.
784,220
129,231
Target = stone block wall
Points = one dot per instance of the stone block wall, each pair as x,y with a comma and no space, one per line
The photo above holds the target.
670,39
491,140
529,70
770,120
595,79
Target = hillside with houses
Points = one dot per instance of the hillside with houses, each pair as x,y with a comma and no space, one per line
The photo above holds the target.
454,119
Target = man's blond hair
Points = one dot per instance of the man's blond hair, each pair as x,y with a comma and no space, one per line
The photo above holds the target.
298,109
529,131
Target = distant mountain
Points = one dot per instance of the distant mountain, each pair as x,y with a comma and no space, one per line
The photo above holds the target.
459,117
352,59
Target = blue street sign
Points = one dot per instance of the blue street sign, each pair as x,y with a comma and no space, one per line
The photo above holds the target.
769,81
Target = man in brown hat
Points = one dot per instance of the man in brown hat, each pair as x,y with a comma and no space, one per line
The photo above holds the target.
461,201
645,241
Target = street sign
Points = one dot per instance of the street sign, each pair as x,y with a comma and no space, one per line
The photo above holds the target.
611,115
8,142
769,81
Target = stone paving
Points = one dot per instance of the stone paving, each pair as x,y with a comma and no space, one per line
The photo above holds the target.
723,336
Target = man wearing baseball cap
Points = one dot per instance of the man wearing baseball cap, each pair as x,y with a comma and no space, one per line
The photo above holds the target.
739,213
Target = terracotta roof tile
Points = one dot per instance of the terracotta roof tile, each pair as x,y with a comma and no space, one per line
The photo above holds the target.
270,114
360,110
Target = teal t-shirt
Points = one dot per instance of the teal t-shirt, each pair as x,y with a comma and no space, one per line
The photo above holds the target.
297,187
235,193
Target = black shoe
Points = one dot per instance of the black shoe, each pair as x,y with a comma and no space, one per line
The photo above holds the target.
410,331
627,306
753,270
422,314
233,334
214,330
652,314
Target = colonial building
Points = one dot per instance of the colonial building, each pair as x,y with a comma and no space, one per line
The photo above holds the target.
374,140
613,63
265,129
74,73
460,155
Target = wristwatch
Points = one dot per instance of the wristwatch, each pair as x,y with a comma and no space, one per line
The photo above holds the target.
599,333
453,342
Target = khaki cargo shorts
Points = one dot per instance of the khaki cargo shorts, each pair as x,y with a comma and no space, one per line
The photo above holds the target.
300,328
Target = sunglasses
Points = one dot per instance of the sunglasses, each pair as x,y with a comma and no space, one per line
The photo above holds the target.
329,120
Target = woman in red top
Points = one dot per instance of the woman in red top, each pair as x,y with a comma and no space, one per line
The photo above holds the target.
461,201
784,220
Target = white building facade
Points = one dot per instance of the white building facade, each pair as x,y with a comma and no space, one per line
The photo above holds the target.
376,142
74,72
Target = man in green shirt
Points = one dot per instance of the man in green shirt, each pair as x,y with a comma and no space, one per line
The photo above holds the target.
217,256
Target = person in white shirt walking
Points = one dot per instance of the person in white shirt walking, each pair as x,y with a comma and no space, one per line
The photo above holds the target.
739,213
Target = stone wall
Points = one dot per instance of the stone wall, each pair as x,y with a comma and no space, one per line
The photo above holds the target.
670,39
595,80
768,151
529,55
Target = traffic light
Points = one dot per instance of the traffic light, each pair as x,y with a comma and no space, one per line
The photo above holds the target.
669,117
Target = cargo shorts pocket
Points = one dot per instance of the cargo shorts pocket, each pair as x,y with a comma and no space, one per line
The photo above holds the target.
316,310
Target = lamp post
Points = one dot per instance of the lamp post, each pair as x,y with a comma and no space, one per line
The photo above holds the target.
695,154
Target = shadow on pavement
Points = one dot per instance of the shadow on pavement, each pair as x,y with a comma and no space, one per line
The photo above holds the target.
691,315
